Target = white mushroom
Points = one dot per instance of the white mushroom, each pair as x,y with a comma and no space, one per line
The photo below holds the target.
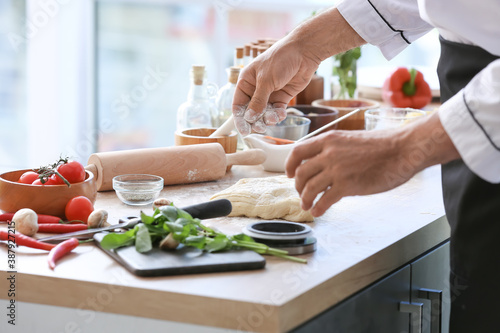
161,202
169,243
26,221
98,218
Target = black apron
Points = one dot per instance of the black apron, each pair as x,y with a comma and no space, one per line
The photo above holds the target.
473,210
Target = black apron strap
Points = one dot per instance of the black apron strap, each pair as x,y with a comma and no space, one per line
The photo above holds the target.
473,210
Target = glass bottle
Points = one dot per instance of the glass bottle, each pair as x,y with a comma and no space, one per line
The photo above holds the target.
224,99
199,110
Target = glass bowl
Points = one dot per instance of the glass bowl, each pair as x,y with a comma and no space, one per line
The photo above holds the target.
384,118
137,189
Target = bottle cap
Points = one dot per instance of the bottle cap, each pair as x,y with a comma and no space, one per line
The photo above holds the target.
239,52
198,74
234,72
247,49
255,51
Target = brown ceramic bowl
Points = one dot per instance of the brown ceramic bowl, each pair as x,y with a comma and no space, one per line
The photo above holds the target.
319,115
192,136
355,122
48,199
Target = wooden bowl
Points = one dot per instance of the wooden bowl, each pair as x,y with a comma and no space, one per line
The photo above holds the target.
319,115
344,106
193,136
43,199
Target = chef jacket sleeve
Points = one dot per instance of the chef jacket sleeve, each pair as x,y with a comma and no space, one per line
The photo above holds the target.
472,120
391,25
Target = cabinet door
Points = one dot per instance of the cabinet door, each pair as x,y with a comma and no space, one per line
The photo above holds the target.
373,310
430,286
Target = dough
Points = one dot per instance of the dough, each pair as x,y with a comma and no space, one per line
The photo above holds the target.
268,198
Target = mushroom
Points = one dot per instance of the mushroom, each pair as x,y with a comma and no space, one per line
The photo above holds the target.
26,221
169,243
161,202
98,218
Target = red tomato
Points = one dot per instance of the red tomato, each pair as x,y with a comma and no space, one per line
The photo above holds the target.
54,180
73,171
28,177
78,208
37,182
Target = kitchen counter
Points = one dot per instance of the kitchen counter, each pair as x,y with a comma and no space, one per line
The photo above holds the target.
360,240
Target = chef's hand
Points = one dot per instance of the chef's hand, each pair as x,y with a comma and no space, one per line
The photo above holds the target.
274,77
267,85
346,163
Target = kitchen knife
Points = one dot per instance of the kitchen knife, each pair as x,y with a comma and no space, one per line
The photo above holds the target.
205,210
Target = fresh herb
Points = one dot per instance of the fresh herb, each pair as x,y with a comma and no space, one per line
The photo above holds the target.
170,221
345,69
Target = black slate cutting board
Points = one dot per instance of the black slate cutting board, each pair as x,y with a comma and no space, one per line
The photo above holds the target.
185,260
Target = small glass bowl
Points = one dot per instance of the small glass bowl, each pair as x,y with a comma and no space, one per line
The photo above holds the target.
385,118
137,189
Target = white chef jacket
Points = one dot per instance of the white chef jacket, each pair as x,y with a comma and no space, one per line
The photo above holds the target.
471,117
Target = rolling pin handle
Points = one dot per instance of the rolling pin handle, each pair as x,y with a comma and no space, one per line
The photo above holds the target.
93,168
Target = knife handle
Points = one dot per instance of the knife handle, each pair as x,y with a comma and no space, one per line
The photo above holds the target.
210,209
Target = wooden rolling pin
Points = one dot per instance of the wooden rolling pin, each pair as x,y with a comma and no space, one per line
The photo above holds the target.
176,164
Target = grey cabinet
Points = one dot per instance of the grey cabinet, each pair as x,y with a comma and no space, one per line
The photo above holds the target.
413,299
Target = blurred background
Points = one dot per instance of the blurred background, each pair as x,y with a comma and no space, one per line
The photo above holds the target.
73,74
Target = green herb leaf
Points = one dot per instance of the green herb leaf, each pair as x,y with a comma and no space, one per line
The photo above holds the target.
116,240
183,214
219,243
195,241
142,239
170,212
146,218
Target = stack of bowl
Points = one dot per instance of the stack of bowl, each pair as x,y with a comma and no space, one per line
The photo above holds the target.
344,106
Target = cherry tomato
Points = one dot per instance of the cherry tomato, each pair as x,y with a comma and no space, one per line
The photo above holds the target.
37,182
73,171
78,208
28,177
54,180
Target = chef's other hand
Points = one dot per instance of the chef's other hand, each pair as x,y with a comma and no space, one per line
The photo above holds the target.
346,163
267,85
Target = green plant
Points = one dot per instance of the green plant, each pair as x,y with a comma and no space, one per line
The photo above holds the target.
345,69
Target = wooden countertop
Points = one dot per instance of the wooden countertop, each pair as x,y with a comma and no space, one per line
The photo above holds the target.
360,240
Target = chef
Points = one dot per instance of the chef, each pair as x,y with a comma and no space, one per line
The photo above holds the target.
463,135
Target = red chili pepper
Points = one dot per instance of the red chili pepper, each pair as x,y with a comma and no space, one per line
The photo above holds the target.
41,218
406,89
60,250
58,228
23,240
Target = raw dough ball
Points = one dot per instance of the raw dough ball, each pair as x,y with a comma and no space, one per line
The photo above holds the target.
267,198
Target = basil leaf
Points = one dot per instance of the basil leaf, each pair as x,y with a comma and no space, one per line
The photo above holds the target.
195,241
173,227
219,243
146,218
170,212
243,237
183,214
142,239
116,240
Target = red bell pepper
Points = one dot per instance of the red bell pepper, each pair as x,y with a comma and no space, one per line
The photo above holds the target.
406,89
